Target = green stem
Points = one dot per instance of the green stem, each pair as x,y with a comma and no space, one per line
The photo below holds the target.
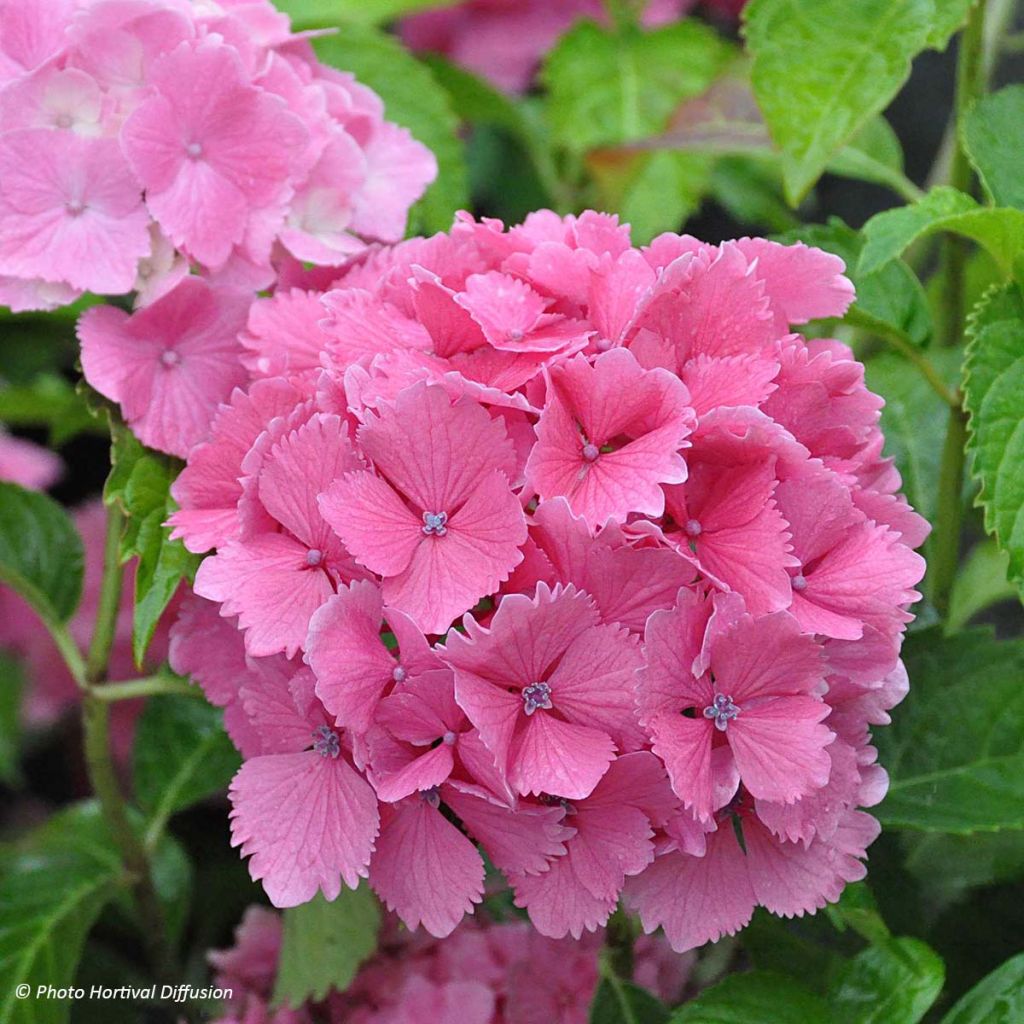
944,546
901,342
618,952
150,686
944,552
96,726
110,599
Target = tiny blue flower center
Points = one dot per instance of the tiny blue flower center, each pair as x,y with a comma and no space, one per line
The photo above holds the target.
194,150
314,556
537,696
434,523
169,357
326,742
693,528
722,710
591,452
431,796
799,582
398,674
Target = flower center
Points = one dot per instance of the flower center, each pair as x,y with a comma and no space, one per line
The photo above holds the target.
591,452
799,582
314,556
449,738
398,674
434,523
194,150
535,696
63,121
693,528
169,357
431,796
722,710
75,207
326,742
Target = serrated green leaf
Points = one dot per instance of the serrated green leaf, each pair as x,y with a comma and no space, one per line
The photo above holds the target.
997,999
415,100
140,485
12,683
998,230
892,295
912,418
324,944
621,1002
955,750
993,385
980,583
893,980
993,135
610,87
759,997
50,896
821,72
40,552
307,14
181,755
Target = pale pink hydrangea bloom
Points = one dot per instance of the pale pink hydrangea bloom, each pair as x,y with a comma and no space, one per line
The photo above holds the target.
579,559
189,155
494,973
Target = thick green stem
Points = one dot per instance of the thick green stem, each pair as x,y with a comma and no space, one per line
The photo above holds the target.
150,686
96,726
110,599
944,550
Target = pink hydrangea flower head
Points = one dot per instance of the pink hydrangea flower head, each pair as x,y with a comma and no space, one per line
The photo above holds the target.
436,518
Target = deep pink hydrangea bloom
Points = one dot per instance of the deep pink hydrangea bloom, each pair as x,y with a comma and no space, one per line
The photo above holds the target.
591,564
493,973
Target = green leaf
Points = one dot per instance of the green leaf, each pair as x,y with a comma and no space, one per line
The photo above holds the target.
891,295
949,16
955,750
181,755
999,230
997,999
947,866
12,685
51,892
48,401
874,154
307,14
759,997
993,135
607,87
324,944
621,1002
140,484
822,70
750,192
912,418
980,583
40,552
857,909
993,385
414,99
892,982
